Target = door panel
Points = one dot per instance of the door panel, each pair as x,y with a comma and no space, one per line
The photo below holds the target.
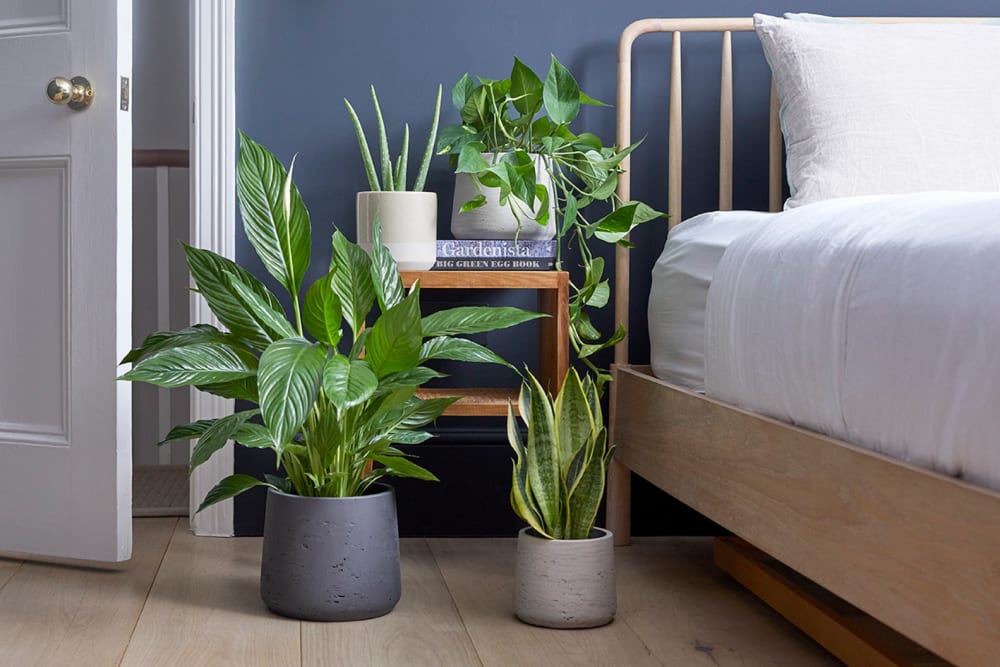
65,283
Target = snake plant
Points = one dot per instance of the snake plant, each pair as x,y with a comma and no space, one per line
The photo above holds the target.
559,473
327,415
393,178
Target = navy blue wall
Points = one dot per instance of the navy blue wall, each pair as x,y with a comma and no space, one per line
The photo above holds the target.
297,59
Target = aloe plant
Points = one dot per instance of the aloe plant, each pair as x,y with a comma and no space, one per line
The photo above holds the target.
333,419
393,177
558,476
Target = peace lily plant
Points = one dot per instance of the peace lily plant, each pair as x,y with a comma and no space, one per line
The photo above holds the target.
332,408
518,118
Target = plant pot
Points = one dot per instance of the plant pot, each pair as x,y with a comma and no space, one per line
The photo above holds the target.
331,559
409,226
493,221
565,583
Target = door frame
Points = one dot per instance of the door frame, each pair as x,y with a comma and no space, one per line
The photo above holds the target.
212,79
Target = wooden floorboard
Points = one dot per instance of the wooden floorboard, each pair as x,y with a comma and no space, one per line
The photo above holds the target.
8,566
423,629
689,613
205,609
479,574
62,615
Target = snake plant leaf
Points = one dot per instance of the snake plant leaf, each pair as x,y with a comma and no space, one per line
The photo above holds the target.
394,342
161,340
253,435
520,504
544,475
348,382
274,216
425,162
322,312
573,421
269,318
460,349
209,271
188,431
200,363
289,378
231,486
352,282
586,498
561,94
244,389
397,466
474,319
217,435
525,89
385,272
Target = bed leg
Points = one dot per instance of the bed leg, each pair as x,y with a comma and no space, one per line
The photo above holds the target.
619,502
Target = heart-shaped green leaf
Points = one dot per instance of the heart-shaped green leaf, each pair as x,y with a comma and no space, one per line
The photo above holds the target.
525,89
322,313
348,382
561,94
394,342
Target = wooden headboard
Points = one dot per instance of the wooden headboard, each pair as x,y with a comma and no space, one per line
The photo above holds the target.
725,26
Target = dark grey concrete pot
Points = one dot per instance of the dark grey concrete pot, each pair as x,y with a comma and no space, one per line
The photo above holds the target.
331,559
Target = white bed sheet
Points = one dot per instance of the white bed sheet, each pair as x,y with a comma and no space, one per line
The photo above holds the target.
680,282
875,320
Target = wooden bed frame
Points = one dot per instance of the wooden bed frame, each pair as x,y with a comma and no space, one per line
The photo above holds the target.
916,550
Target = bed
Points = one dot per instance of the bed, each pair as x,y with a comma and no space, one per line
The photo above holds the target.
915,548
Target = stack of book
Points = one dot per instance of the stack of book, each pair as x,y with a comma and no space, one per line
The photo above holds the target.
495,255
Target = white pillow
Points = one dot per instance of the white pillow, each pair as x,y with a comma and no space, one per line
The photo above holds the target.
886,108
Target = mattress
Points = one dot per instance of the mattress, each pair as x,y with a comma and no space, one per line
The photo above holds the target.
680,282
874,320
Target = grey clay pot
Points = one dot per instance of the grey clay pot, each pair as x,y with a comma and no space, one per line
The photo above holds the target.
565,583
331,559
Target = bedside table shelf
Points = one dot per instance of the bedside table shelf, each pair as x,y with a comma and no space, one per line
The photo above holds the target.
553,339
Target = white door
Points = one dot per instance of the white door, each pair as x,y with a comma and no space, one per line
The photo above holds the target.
65,282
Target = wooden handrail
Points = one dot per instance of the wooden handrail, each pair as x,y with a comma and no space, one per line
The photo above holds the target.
161,157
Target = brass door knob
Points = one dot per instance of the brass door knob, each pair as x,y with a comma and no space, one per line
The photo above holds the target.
76,93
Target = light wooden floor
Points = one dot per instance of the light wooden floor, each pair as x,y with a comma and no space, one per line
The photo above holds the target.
193,601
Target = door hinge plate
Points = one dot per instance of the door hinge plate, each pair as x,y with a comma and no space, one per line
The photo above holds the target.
124,93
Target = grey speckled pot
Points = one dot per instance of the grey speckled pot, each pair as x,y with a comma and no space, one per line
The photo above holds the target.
565,583
331,559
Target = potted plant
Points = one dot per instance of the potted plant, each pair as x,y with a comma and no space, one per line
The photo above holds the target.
409,217
515,155
332,409
564,575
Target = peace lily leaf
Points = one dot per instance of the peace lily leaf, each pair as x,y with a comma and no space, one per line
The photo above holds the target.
269,318
289,378
322,314
274,216
188,431
525,89
348,382
422,412
243,389
474,319
460,349
352,281
200,363
561,94
409,437
411,377
394,343
217,435
161,340
401,467
385,273
253,435
231,486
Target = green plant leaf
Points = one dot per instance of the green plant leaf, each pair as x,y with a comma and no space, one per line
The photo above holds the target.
231,486
209,271
383,145
525,89
616,225
322,313
573,421
453,137
274,217
289,378
521,500
188,431
217,435
394,342
425,163
253,435
419,412
366,154
474,203
569,214
269,318
586,498
587,99
200,363
243,389
385,272
161,340
348,382
470,160
561,94
352,281
399,178
544,477
411,377
461,90
474,319
409,437
397,466
460,349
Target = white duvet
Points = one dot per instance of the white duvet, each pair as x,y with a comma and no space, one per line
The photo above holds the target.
875,320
